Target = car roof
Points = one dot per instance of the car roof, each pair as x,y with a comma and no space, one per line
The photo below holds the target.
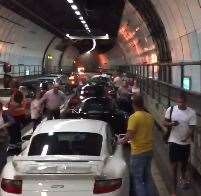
47,78
97,99
71,125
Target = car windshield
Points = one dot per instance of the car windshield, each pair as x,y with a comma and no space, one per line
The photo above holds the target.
71,143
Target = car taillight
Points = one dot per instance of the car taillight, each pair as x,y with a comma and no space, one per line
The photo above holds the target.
106,186
12,186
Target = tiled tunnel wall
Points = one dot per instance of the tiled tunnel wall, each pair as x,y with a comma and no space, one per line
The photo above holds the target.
181,20
24,43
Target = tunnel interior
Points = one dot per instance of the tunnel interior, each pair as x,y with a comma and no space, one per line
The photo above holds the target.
157,41
140,32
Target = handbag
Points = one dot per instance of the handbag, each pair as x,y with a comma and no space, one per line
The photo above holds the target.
169,129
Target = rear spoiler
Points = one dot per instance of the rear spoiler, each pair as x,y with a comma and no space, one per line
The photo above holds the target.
62,168
59,158
22,176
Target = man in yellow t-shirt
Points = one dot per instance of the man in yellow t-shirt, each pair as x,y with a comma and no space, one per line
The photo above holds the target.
140,135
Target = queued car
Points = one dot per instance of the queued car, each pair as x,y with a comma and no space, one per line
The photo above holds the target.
45,82
68,157
92,90
100,79
100,108
5,96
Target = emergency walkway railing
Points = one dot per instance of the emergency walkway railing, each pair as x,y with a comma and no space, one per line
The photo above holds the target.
156,81
22,70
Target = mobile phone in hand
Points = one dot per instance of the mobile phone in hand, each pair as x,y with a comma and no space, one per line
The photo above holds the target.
175,123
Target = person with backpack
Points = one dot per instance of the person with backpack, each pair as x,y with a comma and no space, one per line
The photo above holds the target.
180,121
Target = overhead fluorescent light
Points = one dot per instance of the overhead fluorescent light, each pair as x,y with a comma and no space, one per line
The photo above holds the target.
137,29
82,21
93,47
81,18
70,1
87,37
107,36
74,7
78,13
89,30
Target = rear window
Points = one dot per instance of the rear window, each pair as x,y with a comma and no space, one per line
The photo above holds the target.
97,106
71,143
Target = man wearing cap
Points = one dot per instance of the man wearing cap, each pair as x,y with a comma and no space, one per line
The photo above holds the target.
53,99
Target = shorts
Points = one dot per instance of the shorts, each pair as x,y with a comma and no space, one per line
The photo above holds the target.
179,153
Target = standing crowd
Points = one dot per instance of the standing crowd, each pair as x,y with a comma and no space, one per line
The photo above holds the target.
19,111
179,119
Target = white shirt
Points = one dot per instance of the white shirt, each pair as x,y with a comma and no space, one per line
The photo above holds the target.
1,119
135,90
185,118
118,82
36,109
54,101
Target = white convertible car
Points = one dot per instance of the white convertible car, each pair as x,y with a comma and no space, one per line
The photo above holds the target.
68,157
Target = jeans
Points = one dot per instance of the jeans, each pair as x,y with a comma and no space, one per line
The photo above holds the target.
141,174
53,114
36,122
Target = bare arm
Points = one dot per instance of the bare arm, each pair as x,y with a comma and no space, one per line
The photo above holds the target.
190,133
129,136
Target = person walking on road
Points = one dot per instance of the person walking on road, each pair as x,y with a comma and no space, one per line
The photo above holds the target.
182,121
5,122
53,99
17,109
36,110
118,82
140,136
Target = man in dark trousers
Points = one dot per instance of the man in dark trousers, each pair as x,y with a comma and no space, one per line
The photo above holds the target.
182,124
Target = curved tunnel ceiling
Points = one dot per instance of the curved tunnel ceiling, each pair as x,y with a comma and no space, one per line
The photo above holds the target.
169,29
102,16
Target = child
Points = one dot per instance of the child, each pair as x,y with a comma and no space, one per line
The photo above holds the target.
36,110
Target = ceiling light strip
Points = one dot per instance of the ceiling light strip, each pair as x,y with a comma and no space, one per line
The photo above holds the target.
93,47
78,13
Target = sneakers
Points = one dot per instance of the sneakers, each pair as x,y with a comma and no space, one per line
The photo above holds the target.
184,183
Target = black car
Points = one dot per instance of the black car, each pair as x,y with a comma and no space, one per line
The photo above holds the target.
92,90
97,90
102,108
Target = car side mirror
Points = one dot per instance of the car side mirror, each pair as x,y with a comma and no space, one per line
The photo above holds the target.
26,137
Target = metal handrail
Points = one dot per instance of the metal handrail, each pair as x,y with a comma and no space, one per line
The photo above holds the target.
34,70
181,63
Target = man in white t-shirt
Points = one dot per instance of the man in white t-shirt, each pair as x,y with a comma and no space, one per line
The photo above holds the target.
182,124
